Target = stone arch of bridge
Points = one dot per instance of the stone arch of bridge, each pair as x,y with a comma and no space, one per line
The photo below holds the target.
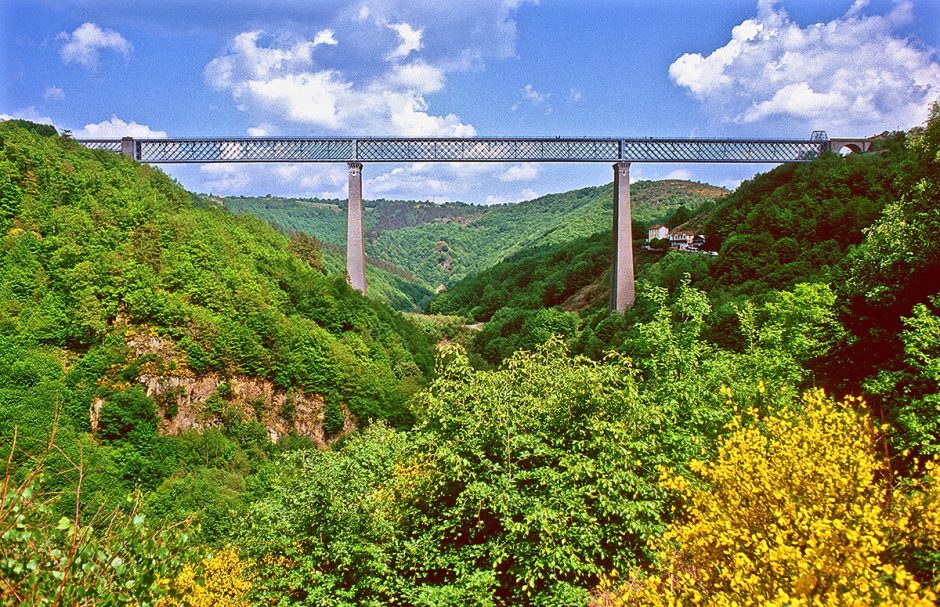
849,146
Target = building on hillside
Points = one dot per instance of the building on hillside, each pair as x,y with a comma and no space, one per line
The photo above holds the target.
658,232
681,240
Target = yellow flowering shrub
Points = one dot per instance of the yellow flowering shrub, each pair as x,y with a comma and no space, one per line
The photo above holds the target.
793,511
218,581
915,524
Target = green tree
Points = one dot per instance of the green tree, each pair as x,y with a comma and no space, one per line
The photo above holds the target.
316,533
911,392
519,479
901,248
129,414
109,557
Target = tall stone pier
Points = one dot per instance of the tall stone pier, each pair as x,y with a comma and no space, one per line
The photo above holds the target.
127,147
355,244
622,290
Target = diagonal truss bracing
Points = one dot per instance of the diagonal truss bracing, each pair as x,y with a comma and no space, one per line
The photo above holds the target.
111,145
471,149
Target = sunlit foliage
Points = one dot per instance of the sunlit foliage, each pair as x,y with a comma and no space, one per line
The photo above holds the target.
85,559
216,581
794,510
912,391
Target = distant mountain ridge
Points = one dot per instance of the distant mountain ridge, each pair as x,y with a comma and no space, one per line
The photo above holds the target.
442,243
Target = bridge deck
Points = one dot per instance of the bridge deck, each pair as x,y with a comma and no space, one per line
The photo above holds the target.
470,149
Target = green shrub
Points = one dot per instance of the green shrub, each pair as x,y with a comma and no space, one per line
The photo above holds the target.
332,416
128,415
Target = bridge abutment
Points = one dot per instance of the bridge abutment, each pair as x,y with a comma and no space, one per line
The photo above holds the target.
855,146
127,147
355,243
622,290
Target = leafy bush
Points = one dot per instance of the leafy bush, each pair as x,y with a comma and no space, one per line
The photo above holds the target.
512,329
332,416
316,535
911,392
128,414
520,480
218,580
211,497
793,511
108,558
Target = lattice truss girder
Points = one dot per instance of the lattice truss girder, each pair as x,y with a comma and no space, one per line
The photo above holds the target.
109,145
467,150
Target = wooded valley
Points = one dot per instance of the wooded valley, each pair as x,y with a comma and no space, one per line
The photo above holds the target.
196,409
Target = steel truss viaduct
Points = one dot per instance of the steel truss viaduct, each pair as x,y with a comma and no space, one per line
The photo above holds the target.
358,150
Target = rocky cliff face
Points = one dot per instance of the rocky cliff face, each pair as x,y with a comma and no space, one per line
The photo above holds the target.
189,398
186,400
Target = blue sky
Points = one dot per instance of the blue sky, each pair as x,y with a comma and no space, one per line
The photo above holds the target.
722,68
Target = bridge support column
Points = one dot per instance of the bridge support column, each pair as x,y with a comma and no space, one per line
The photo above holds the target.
622,291
355,244
127,147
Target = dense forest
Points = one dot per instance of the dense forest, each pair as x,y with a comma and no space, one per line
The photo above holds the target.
387,282
196,410
164,342
794,224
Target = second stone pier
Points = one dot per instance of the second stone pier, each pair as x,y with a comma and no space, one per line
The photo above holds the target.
622,290
355,243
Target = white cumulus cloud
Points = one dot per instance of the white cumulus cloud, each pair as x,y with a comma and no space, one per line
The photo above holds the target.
527,171
224,178
529,194
406,178
115,127
249,59
398,56
436,181
261,130
525,194
679,174
27,113
410,40
539,99
325,37
285,83
304,97
854,72
84,45
418,76
529,92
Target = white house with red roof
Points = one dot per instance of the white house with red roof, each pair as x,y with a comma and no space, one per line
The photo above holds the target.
658,231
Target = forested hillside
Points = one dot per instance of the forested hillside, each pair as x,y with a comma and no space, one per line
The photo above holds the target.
702,453
793,224
440,244
386,282
326,218
172,339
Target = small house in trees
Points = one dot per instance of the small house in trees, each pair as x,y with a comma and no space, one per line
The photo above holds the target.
658,232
